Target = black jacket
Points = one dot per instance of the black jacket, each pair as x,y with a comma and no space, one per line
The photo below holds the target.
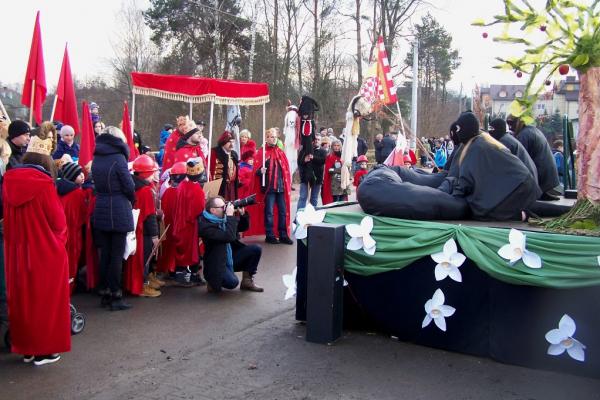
362,146
215,240
115,191
16,157
312,172
388,145
538,148
516,148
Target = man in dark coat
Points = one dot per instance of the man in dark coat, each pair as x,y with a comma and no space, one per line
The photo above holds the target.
224,165
495,183
378,144
18,139
224,253
538,148
310,169
388,145
498,132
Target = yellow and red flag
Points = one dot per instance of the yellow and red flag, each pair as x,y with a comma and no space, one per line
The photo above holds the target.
378,86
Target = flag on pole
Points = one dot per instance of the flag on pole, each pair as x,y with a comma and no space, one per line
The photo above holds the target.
34,88
378,86
66,103
126,127
88,140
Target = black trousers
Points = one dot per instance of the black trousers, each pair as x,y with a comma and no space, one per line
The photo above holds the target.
112,247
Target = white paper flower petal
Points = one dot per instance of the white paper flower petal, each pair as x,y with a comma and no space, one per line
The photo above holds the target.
567,326
370,250
555,350
531,259
455,274
439,257
368,241
319,216
438,298
355,243
301,232
516,238
441,323
576,352
289,293
354,230
447,311
450,247
366,225
457,259
426,321
554,336
506,252
440,272
428,306
289,280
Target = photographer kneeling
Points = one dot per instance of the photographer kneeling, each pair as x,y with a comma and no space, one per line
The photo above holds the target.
224,254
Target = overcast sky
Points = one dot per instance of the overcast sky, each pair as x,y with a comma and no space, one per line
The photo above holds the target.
89,26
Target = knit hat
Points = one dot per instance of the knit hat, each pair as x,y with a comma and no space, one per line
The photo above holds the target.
167,127
466,127
70,171
18,128
498,127
40,146
247,155
224,138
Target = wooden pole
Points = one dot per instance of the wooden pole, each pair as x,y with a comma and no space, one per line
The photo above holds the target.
53,107
31,103
210,132
133,114
264,140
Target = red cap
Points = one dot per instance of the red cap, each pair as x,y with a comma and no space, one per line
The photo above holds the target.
362,158
179,168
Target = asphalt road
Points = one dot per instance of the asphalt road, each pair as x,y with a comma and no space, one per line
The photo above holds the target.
188,344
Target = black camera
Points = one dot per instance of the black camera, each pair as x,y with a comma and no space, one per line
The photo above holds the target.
246,201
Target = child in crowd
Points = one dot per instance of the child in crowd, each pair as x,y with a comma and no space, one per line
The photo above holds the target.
66,144
362,170
245,176
137,273
73,200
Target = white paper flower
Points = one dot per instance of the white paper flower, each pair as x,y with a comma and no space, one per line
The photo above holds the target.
515,250
561,339
360,236
448,262
598,260
289,280
305,218
437,311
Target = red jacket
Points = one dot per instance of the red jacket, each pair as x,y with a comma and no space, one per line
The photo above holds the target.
190,204
166,261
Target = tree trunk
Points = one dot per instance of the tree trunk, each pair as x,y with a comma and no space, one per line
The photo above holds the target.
358,44
316,51
298,57
275,41
588,139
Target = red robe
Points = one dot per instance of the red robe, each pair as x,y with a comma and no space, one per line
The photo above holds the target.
36,262
75,208
257,211
326,194
188,151
91,252
166,261
190,204
358,176
170,149
249,146
246,178
134,269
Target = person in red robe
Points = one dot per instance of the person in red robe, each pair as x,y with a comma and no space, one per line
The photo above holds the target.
73,200
189,144
361,172
332,190
190,204
275,192
171,143
146,233
224,165
36,260
166,261
246,143
246,174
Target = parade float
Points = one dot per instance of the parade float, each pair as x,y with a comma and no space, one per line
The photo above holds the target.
511,291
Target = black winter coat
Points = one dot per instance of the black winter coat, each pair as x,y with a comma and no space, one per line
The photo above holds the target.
538,148
388,145
312,172
215,240
114,185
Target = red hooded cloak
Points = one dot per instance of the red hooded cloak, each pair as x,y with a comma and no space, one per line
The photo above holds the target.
166,261
190,204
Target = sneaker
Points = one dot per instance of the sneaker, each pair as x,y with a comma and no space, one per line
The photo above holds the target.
27,359
271,240
197,280
150,292
47,359
182,279
285,240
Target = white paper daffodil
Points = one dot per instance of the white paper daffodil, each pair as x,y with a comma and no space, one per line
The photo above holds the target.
515,250
448,262
289,280
360,236
598,260
437,311
562,339
305,218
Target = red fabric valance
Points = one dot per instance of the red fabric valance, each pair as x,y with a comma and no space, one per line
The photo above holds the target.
195,89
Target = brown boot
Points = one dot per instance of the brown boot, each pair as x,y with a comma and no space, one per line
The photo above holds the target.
248,283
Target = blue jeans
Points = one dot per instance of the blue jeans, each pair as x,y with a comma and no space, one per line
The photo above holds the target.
245,259
272,198
341,197
314,194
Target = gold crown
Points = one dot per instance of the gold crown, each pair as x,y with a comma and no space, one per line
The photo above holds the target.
40,146
196,169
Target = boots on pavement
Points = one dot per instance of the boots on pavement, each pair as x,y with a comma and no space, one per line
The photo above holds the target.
248,283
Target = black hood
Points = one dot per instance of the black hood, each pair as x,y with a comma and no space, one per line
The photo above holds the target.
139,182
107,144
64,186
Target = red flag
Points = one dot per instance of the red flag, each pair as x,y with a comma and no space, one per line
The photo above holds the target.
35,74
126,127
88,140
387,89
66,103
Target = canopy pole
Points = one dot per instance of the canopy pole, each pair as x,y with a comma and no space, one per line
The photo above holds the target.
133,114
210,132
31,105
264,126
53,107
191,110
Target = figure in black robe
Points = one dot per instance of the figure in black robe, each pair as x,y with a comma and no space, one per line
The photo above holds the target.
539,149
306,110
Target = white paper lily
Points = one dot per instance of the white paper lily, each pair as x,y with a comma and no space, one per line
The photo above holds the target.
360,236
305,218
437,311
515,250
289,280
448,262
561,339
598,260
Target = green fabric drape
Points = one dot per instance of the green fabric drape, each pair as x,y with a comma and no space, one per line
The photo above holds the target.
567,261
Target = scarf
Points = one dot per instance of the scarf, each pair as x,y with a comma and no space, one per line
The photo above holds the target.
222,222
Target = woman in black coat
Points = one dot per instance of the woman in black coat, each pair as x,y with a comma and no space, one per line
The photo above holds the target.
112,217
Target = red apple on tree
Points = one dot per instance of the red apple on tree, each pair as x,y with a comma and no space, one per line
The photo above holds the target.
519,74
543,28
485,35
563,69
